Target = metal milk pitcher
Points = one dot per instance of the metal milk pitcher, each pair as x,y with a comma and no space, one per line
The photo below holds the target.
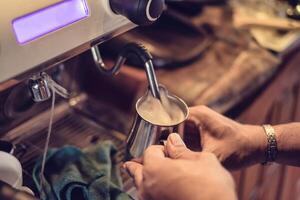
145,133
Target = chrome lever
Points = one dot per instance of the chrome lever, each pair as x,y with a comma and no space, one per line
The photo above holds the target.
39,88
41,85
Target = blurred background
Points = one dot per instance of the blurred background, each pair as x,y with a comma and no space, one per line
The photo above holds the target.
239,57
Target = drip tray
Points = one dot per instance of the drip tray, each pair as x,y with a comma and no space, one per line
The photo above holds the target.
69,127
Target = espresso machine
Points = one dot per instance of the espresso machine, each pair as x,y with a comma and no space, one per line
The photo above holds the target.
60,38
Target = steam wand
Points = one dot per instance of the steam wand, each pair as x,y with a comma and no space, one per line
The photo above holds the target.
130,49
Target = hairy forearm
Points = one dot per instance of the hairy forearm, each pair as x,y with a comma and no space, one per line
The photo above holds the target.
288,143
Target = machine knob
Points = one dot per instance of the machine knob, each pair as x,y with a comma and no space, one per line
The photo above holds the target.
140,12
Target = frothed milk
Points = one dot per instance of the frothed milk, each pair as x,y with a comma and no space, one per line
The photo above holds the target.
162,112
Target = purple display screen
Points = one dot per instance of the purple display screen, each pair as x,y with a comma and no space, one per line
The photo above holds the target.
49,19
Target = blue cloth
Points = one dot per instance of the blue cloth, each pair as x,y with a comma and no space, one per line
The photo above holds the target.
74,174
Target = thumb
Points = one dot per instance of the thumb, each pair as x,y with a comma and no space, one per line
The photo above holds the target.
135,170
176,149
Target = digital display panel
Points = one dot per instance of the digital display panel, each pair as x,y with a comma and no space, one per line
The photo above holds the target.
49,19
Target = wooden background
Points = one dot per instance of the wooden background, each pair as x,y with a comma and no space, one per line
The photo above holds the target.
278,103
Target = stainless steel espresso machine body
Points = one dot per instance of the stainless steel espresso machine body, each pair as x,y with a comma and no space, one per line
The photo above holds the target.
35,33
55,36
43,33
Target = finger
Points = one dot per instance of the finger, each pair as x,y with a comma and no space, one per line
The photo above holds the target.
141,159
199,115
192,126
176,148
138,160
205,118
135,170
154,153
193,119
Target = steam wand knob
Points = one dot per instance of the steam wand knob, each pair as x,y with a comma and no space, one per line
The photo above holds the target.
140,12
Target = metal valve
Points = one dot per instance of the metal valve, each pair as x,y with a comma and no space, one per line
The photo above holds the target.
39,88
140,12
41,85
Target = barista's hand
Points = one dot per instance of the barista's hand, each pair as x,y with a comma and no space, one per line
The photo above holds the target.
235,145
182,175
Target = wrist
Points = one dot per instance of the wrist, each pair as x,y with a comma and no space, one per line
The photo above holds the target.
288,143
279,129
257,143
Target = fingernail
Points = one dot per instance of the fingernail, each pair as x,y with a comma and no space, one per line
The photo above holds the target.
176,139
